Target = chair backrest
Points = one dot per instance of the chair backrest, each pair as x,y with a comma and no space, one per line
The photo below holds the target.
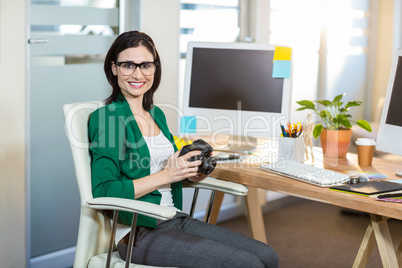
94,228
76,116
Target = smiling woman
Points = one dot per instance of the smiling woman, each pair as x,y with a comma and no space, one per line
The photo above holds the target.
134,156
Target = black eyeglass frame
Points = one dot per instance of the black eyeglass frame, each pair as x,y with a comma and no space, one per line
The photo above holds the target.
137,65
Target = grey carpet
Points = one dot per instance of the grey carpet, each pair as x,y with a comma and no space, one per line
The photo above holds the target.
308,234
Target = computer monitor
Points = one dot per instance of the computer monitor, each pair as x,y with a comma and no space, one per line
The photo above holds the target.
390,130
229,89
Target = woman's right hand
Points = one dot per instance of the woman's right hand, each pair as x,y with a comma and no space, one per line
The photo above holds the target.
178,168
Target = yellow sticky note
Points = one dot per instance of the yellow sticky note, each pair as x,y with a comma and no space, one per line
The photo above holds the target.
282,53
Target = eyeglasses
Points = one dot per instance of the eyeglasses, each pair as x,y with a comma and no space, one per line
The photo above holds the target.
128,67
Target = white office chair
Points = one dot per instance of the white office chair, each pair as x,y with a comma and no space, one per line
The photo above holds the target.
95,241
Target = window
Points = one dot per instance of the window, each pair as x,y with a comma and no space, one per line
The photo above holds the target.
206,20
65,27
214,21
330,41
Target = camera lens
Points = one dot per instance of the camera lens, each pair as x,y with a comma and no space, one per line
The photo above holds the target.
208,165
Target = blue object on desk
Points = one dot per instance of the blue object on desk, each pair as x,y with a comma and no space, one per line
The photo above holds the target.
284,134
188,124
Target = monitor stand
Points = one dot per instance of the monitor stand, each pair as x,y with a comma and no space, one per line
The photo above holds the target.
239,144
236,143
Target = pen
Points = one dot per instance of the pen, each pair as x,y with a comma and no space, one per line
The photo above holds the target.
390,195
283,131
290,129
300,131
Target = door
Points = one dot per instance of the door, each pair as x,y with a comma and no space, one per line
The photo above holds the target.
68,40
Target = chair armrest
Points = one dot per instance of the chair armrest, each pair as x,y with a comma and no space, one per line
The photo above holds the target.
135,206
219,185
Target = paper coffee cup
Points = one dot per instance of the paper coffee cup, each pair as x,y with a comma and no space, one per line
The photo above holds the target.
365,142
365,151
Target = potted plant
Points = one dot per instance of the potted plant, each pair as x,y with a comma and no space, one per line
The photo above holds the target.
336,130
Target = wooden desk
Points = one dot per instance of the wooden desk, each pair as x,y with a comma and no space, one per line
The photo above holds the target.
377,231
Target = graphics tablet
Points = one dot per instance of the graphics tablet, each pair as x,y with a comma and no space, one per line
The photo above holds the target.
369,188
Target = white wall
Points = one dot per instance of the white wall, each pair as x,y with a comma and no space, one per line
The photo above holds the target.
160,20
12,137
384,50
397,24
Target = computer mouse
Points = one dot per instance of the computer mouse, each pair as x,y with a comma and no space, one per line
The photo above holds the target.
358,178
363,178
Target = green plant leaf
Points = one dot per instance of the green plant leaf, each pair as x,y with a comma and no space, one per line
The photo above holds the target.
338,98
338,119
353,103
345,122
331,104
317,130
324,102
325,114
364,125
302,108
306,103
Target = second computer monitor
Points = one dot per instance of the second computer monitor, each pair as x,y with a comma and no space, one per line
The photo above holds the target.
230,89
390,130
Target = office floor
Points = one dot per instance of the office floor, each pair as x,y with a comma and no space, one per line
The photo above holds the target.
316,235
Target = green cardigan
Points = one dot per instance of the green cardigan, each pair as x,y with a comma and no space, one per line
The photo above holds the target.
120,155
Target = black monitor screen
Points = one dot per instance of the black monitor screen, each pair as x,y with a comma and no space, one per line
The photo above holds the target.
235,79
394,110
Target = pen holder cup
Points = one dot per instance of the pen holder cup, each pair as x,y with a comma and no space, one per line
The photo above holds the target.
291,148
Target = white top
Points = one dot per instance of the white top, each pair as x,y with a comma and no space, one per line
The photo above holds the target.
160,148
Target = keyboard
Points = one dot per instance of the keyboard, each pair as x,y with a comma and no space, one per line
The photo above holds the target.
305,173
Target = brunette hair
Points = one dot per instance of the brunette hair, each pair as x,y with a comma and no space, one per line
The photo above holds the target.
122,42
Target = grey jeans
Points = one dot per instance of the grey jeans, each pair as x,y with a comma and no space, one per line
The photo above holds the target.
186,242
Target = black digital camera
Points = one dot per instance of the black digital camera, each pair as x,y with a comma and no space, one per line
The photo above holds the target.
208,163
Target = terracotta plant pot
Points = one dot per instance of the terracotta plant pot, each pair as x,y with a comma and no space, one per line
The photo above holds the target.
335,143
